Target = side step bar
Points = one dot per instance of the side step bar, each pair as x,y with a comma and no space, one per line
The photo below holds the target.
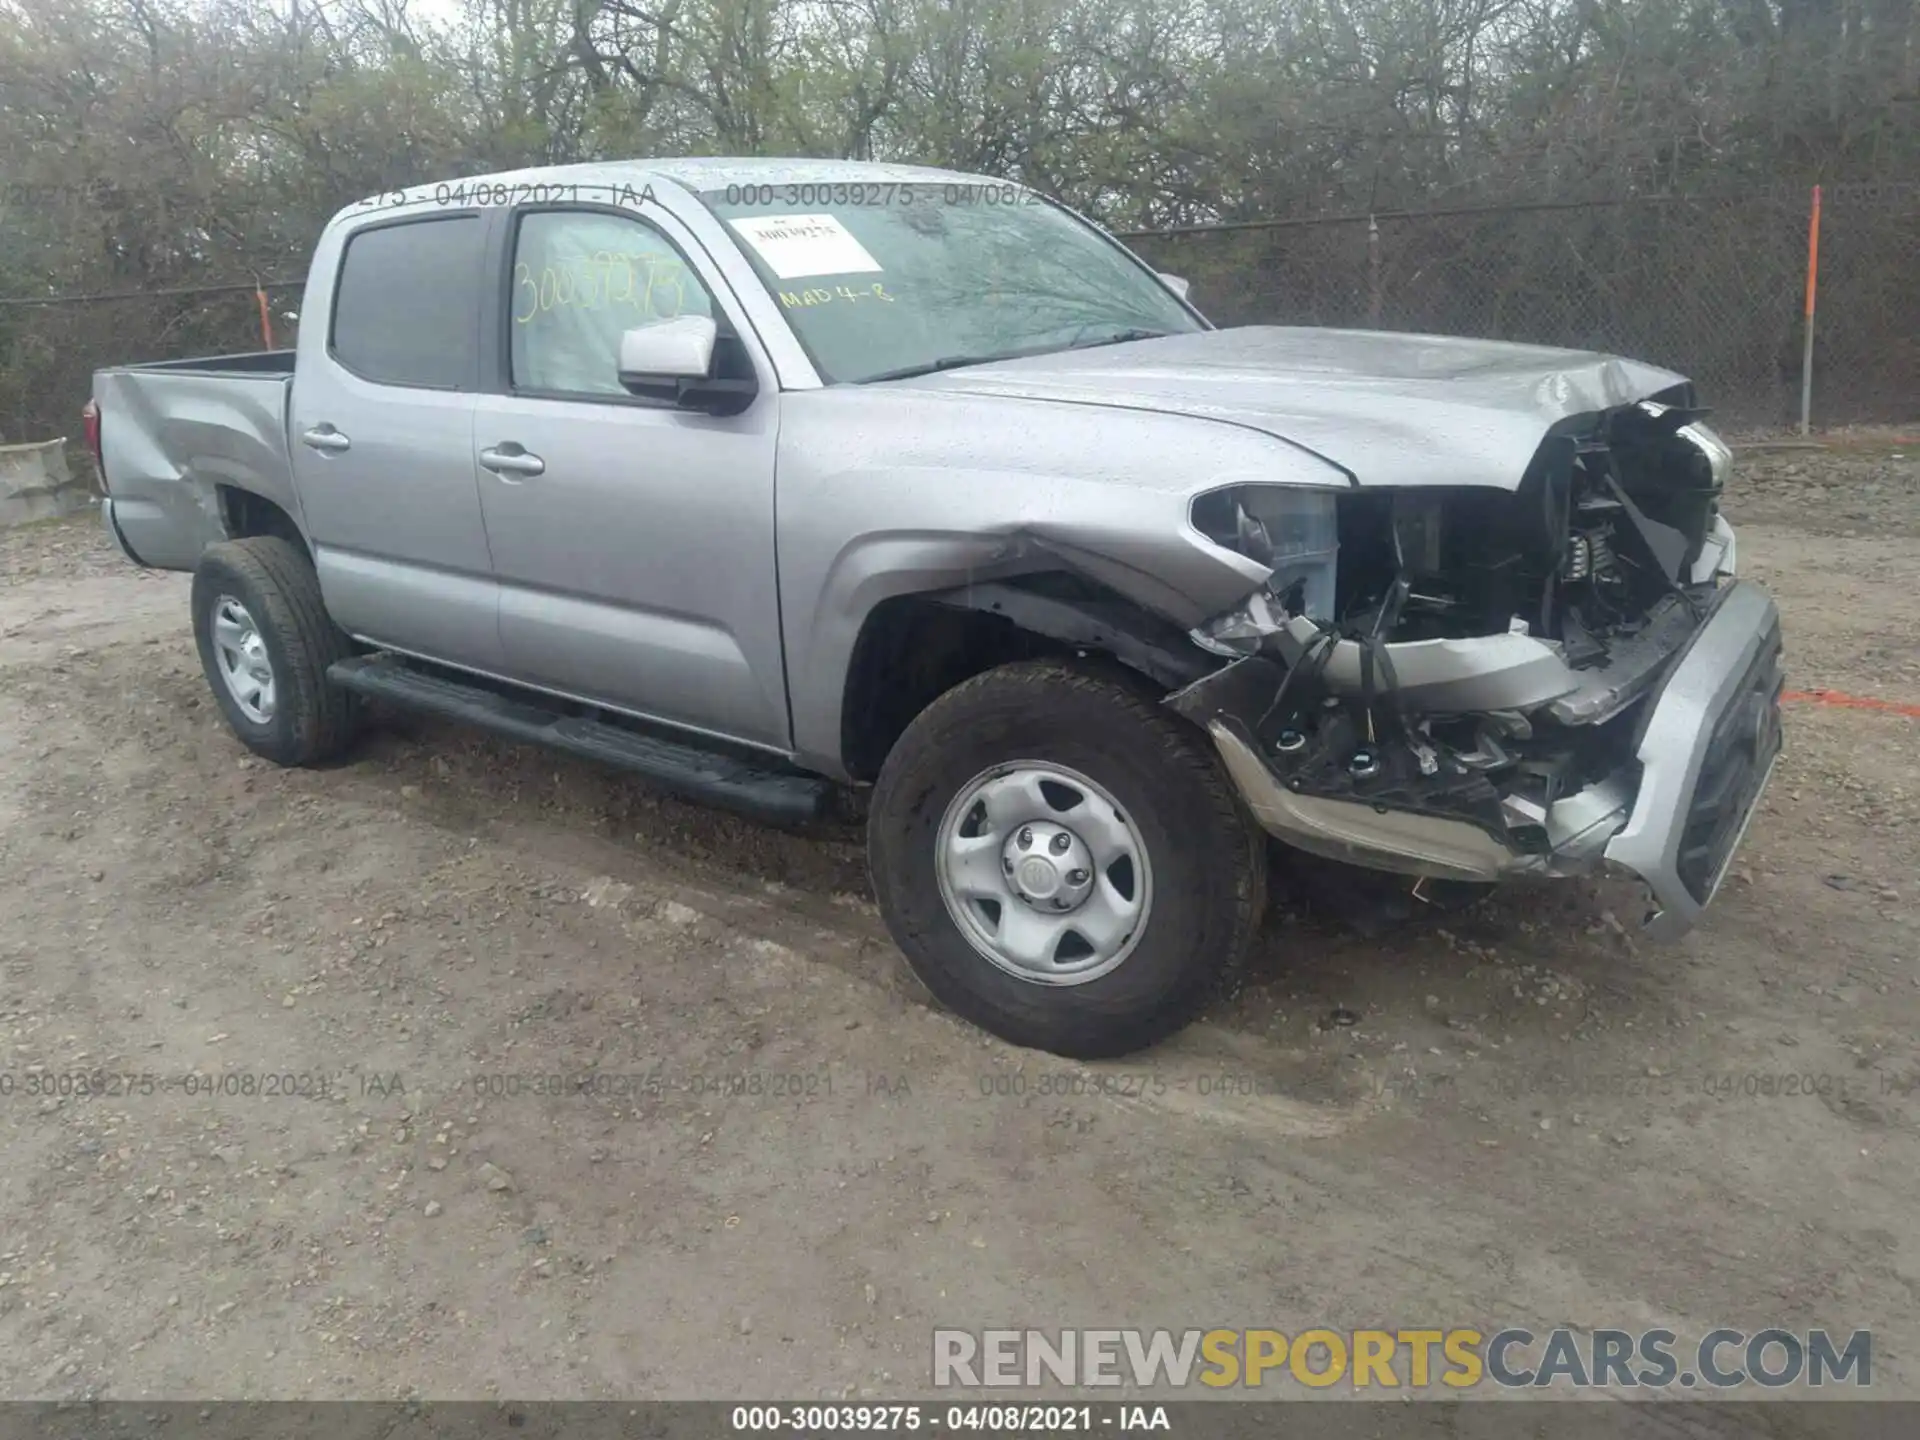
759,790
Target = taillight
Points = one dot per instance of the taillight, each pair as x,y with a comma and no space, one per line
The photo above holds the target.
90,421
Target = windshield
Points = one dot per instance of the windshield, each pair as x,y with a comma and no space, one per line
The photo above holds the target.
884,280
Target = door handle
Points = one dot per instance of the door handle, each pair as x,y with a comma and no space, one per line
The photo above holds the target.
510,459
325,437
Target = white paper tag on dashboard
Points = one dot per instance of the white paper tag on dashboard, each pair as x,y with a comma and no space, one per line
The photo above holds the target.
795,246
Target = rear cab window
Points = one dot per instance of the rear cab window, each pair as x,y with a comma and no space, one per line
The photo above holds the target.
406,304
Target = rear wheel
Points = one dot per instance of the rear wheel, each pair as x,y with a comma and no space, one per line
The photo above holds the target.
1062,862
265,642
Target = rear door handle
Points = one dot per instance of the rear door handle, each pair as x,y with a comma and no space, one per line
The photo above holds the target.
325,437
511,459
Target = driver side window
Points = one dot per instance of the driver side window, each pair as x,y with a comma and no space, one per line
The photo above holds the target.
581,279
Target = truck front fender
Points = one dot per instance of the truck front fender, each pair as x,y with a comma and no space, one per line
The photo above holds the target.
889,492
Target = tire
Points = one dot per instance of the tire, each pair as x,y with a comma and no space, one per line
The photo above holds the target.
1203,879
271,584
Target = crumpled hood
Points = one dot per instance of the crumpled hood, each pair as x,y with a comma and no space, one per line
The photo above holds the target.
1388,408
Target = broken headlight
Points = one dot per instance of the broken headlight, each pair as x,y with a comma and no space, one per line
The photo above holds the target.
1715,454
1290,529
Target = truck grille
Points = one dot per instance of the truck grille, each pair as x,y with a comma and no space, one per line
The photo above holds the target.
1745,741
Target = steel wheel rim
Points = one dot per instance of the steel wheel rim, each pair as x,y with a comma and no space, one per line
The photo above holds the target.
240,655
1049,911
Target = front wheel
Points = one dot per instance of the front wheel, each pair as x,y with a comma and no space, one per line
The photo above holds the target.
1062,862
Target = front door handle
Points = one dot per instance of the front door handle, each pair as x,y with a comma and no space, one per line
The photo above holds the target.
325,437
511,459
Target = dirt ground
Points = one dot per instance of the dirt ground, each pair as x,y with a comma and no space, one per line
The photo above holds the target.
1533,1120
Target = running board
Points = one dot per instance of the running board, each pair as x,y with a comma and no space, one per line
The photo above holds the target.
729,782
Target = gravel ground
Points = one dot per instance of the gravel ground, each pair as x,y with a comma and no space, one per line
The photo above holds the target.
1534,1119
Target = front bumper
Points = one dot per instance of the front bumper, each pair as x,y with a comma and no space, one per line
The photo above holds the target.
1706,745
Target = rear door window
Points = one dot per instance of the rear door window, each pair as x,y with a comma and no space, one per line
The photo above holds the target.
406,310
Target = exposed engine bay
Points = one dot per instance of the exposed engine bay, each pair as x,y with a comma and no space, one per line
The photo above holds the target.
1477,658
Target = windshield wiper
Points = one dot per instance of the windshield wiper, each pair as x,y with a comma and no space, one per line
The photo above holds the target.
928,367
955,362
1120,337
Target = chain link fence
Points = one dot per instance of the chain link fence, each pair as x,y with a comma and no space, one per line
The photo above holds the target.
1711,287
49,349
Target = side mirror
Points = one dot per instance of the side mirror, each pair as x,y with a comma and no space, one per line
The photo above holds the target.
679,349
1179,284
675,361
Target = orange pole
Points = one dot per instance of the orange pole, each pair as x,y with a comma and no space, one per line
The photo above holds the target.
1806,352
266,321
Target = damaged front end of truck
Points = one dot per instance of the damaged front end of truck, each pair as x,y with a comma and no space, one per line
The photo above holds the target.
1480,683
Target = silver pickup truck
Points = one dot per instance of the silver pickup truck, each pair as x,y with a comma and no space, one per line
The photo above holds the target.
783,481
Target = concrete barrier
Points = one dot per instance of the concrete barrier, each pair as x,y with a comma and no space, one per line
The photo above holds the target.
35,483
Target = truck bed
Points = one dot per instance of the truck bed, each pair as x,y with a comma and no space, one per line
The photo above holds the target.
251,362
173,432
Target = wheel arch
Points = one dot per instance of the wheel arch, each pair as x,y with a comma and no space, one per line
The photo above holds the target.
911,649
245,514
